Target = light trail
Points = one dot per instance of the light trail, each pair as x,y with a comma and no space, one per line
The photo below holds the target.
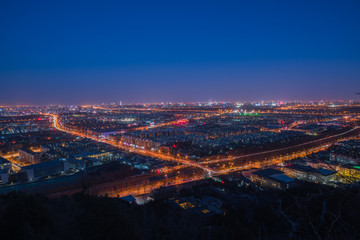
146,187
58,126
277,150
147,153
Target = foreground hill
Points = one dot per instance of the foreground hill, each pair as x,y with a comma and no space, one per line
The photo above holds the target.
307,212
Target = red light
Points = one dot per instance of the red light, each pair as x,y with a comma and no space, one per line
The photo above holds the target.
39,119
282,121
222,182
180,122
174,145
157,171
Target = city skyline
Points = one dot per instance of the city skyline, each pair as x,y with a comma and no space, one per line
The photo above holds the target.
180,119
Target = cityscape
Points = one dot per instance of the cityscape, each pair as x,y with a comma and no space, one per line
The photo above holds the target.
143,152
179,121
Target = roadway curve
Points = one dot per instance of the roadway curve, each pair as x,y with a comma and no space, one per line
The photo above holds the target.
213,166
142,152
141,184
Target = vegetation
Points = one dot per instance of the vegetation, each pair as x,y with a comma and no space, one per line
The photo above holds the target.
307,212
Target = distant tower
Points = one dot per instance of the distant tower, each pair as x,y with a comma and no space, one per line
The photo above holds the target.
120,103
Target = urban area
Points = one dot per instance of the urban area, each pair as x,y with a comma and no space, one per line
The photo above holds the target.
204,159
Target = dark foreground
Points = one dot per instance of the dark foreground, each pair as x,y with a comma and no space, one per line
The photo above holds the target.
307,212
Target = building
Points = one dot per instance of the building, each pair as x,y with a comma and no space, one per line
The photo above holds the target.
45,169
129,198
18,177
310,174
142,143
272,178
29,156
76,164
92,162
348,170
4,164
101,156
4,176
45,148
344,159
204,206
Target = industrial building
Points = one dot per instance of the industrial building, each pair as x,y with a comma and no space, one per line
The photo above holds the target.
272,178
307,173
45,169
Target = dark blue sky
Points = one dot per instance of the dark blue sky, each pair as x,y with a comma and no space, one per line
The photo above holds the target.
106,51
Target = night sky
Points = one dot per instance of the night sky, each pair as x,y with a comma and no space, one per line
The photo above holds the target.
79,52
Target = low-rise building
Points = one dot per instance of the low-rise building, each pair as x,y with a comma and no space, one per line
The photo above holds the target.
45,148
272,178
4,176
29,156
129,198
92,162
4,164
310,174
348,170
40,170
344,159
203,206
76,164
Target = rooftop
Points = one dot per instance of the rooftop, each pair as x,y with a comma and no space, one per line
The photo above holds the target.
301,168
282,178
274,174
267,172
325,172
129,198
3,160
28,151
43,165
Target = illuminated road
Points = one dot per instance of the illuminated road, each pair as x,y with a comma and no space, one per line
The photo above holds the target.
139,185
147,153
174,122
212,165
354,130
7,156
